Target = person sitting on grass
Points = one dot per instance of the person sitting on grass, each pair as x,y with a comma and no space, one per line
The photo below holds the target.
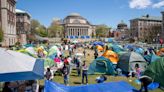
101,79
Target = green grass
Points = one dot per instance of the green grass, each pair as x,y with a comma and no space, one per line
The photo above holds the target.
74,80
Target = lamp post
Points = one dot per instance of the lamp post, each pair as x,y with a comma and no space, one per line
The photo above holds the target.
158,40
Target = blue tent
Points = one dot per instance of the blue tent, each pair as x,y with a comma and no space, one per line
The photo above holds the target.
98,43
18,66
120,86
151,58
139,50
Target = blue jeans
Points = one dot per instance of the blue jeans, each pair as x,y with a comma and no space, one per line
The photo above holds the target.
84,75
66,79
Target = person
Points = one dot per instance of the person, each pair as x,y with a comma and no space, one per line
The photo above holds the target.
6,87
84,73
138,70
28,87
78,66
48,74
84,52
101,79
65,74
96,54
145,81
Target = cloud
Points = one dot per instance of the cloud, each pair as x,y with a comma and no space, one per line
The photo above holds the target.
140,4
158,5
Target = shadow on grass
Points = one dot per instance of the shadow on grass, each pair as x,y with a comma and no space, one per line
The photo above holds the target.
77,82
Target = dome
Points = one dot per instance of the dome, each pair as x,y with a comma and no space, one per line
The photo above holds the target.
74,14
75,18
122,23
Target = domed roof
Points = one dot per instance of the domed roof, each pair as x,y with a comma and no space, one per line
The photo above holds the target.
75,18
74,14
122,23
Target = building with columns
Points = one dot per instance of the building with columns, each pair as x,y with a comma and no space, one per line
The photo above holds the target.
76,25
8,22
23,25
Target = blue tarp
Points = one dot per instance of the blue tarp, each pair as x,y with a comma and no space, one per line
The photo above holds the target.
120,86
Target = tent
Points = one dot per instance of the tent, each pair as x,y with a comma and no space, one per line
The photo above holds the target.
160,52
116,48
99,48
120,86
128,60
151,58
156,71
18,66
112,56
98,43
101,65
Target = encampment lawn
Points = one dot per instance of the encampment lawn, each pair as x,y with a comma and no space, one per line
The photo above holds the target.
75,80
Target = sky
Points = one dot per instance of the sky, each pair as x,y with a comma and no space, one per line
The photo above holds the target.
109,12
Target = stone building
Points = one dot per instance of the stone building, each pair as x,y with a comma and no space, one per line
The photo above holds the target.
76,25
8,22
144,27
122,31
22,25
162,25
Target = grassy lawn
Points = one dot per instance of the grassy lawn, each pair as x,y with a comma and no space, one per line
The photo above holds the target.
75,80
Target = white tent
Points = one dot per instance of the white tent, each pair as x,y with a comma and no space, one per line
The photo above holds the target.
18,66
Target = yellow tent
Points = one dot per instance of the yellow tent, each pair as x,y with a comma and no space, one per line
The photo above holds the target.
99,48
112,56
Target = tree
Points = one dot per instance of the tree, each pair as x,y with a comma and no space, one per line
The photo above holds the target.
41,31
102,31
56,31
1,35
34,25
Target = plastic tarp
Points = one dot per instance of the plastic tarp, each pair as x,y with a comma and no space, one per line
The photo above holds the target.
101,65
156,71
18,66
120,86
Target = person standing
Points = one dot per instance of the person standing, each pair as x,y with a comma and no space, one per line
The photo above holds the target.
6,87
48,74
84,52
138,70
78,66
96,54
65,74
84,73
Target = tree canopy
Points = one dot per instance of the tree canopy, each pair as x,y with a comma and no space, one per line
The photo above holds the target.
102,31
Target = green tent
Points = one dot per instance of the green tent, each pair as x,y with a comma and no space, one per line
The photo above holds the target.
128,60
101,65
156,71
